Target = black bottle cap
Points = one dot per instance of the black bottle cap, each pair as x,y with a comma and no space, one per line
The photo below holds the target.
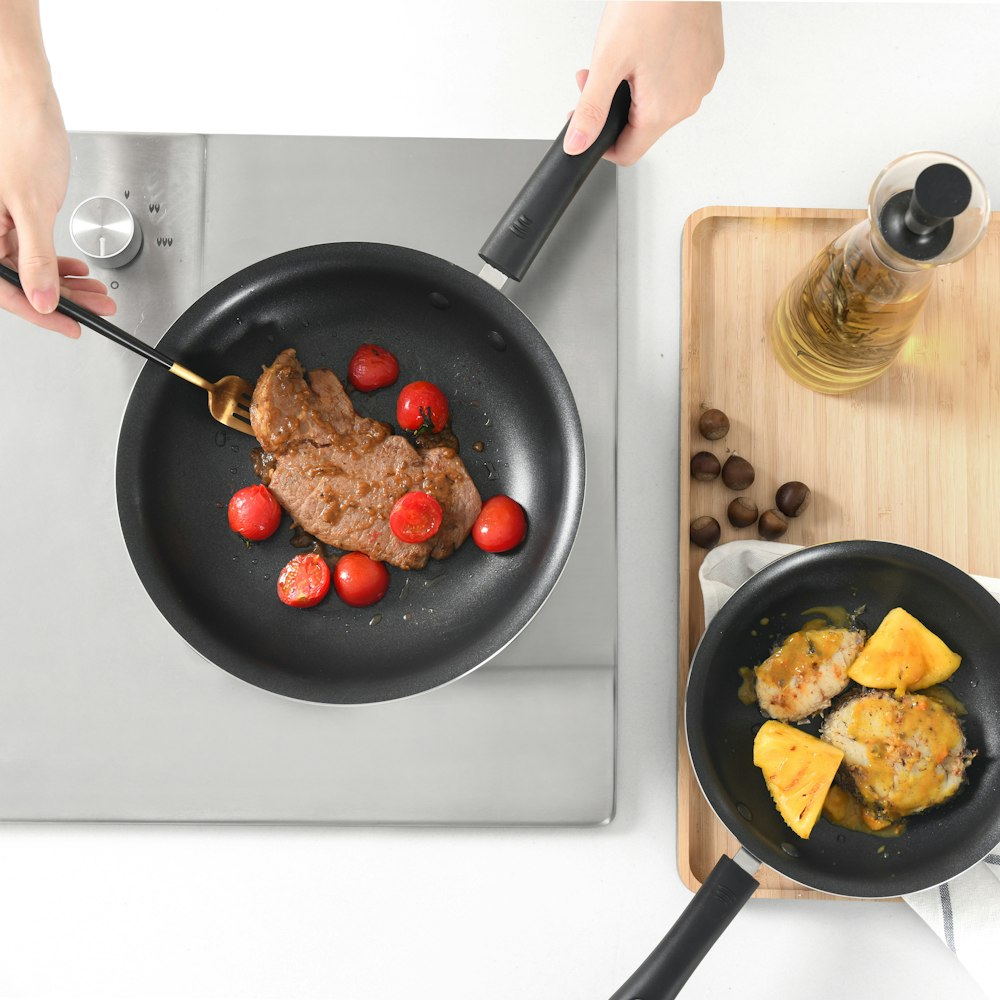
918,223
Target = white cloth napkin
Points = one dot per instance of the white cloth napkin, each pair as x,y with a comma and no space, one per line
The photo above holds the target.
965,912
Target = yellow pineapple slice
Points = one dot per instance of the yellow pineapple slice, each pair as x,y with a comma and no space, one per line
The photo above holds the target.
798,769
904,655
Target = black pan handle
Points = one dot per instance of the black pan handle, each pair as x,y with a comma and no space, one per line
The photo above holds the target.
97,323
526,225
671,962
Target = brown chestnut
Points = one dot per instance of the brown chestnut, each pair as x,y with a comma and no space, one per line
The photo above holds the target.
771,525
705,532
713,424
792,498
737,473
742,512
705,466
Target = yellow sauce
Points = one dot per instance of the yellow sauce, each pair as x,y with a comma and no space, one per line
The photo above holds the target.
897,776
843,809
800,652
748,690
947,698
833,613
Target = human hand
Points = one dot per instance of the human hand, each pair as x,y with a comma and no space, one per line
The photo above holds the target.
34,171
670,53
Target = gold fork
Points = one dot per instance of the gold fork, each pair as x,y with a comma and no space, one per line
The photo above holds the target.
228,399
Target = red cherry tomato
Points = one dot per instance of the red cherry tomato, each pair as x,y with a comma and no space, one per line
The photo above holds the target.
254,513
372,367
360,581
501,525
305,581
415,517
421,404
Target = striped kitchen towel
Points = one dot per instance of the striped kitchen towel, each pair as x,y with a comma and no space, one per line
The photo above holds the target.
965,912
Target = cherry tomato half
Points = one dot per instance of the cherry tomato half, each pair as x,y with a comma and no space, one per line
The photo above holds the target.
372,367
254,513
415,517
421,404
501,525
305,581
360,581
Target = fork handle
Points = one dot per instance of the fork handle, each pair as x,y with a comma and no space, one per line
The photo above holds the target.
96,323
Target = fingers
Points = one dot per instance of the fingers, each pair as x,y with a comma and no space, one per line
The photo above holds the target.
633,144
14,301
88,292
597,90
36,258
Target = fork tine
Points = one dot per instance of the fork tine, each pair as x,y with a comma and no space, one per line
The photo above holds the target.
239,425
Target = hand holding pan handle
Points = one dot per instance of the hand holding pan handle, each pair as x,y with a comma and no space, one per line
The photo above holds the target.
526,225
670,964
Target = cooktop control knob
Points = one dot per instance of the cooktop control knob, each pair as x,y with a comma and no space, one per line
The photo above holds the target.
105,231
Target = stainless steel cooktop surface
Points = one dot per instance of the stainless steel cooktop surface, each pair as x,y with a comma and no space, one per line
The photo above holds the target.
105,712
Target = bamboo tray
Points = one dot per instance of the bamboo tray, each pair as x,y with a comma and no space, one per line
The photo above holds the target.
912,458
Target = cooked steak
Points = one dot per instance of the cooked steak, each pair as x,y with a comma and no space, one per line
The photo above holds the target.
901,754
339,474
806,671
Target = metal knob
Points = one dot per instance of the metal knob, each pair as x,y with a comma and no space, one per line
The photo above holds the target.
104,230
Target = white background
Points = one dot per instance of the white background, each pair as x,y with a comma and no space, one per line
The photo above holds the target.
812,102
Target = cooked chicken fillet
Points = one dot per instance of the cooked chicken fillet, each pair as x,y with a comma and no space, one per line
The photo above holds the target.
901,754
807,671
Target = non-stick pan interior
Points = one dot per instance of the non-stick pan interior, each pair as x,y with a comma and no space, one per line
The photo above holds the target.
177,469
936,845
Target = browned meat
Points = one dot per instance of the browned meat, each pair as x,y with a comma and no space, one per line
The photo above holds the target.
339,474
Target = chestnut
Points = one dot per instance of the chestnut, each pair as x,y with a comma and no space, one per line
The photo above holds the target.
742,512
737,473
771,525
792,498
705,466
705,532
713,424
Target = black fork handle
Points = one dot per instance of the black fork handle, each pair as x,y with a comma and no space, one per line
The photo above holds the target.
96,323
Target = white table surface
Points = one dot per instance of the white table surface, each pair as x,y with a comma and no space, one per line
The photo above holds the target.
812,102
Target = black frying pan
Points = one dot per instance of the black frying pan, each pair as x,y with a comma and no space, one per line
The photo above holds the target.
935,847
176,468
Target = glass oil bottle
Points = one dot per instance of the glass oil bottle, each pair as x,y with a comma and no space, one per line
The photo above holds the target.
841,323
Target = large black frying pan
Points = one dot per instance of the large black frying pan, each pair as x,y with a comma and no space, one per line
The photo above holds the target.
176,468
720,730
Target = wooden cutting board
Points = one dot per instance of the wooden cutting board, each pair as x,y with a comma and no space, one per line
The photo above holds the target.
912,458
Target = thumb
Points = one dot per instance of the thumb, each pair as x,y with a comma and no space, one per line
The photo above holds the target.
591,110
36,261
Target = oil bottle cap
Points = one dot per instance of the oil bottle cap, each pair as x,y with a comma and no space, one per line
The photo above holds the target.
918,223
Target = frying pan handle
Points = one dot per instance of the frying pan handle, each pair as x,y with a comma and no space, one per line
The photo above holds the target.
671,962
526,225
97,323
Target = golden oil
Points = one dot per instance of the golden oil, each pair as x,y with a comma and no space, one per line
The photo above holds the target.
842,322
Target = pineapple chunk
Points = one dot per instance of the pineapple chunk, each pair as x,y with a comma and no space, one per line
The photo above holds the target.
798,770
904,655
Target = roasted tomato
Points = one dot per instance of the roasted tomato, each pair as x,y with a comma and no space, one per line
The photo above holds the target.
501,525
360,581
415,517
305,581
421,404
372,367
254,513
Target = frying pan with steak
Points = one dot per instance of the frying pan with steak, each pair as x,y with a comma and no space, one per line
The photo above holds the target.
936,845
176,469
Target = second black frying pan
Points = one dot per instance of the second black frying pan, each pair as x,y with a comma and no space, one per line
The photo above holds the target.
936,846
176,469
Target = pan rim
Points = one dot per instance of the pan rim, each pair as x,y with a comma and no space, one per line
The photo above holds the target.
423,265
846,546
